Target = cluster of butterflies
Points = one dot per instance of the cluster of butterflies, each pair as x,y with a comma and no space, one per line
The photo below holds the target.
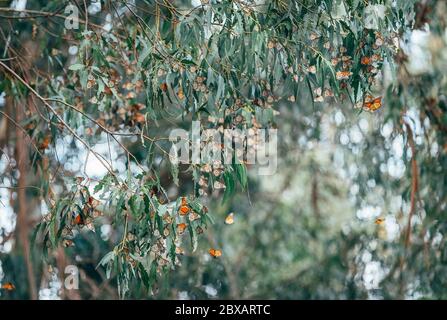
82,219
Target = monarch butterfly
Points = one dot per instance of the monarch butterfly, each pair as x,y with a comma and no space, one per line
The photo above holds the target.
93,202
164,86
77,218
373,105
90,226
184,210
139,117
365,60
199,230
343,75
45,142
230,218
379,221
97,213
312,69
181,227
8,286
215,253
193,216
180,94
68,243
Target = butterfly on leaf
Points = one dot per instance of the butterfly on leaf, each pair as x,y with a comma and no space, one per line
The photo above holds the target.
8,286
365,60
379,221
372,104
215,253
179,250
45,142
184,209
199,230
164,87
193,216
229,219
343,75
180,94
181,227
68,243
77,218
93,202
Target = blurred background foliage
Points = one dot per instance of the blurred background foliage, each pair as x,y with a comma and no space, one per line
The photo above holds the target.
357,206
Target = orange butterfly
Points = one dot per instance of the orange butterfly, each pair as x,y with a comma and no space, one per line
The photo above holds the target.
184,209
379,221
139,117
365,60
8,286
343,75
164,86
215,253
68,243
77,218
373,105
45,142
181,227
180,94
230,218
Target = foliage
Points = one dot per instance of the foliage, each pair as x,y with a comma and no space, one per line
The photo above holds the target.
309,68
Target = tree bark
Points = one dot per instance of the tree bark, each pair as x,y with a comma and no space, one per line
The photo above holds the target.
22,213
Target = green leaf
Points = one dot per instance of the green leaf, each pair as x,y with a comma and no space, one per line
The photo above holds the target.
106,259
241,172
76,66
229,183
174,172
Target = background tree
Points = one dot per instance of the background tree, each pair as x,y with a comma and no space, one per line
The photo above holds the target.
355,210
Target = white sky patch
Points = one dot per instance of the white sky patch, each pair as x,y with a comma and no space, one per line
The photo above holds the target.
387,129
355,135
417,49
108,25
339,118
210,290
19,5
369,212
372,275
392,228
398,146
73,50
94,7
363,124
106,231
395,167
51,292
344,139
196,3
2,99
183,295
7,216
